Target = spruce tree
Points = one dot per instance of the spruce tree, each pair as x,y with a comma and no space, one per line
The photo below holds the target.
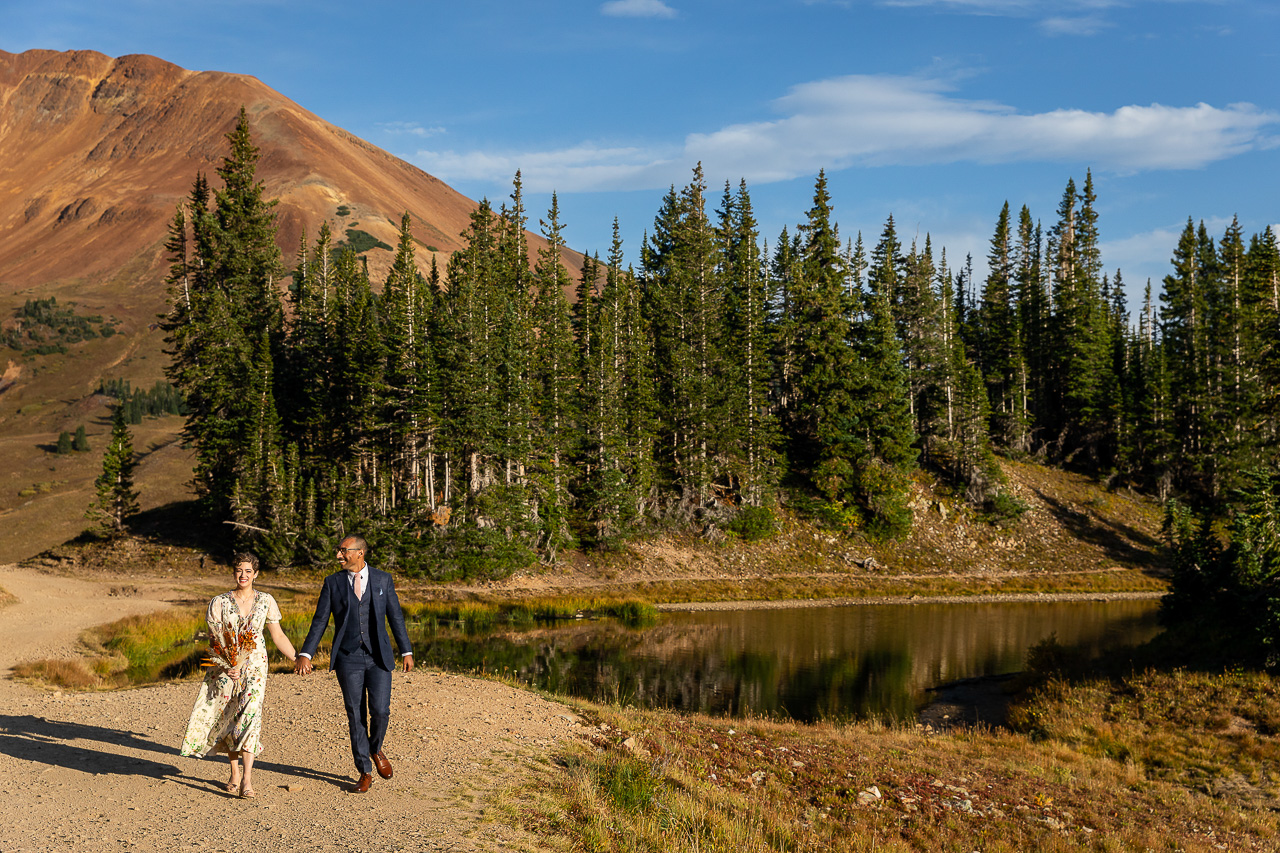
116,500
685,304
829,377
1000,345
555,380
751,437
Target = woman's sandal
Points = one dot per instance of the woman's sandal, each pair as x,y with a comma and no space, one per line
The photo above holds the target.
247,793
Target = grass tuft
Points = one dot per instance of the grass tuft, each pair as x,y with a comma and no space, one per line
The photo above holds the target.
67,674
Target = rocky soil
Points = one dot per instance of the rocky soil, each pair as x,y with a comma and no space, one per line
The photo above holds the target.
101,771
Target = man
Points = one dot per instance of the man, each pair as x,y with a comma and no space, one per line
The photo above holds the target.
360,598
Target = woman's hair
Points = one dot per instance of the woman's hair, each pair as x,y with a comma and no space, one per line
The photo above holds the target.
245,557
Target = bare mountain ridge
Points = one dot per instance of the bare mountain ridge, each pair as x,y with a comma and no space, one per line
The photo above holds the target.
96,153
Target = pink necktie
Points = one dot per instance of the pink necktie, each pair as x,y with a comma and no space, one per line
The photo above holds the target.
355,585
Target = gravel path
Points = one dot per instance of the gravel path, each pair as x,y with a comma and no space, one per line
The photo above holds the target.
101,771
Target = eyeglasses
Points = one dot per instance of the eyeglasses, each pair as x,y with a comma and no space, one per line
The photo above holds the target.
350,550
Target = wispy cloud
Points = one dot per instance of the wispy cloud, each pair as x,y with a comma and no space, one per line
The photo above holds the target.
883,120
637,9
1009,7
409,128
865,120
588,167
1085,25
1054,17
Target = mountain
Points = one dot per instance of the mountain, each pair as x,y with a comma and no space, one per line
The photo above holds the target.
96,152
95,155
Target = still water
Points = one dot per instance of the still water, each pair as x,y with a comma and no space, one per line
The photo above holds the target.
804,663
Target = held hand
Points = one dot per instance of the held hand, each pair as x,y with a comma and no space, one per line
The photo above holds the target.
302,665
234,673
408,663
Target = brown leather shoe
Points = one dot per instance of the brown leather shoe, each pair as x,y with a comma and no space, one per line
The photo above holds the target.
365,783
384,766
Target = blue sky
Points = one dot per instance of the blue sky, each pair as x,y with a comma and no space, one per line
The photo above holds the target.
934,111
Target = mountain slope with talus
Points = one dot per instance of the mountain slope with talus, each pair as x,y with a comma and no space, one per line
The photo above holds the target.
96,153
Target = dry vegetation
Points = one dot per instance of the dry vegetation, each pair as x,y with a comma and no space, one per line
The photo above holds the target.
1152,762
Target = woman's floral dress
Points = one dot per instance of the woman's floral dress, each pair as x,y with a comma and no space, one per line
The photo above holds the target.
227,716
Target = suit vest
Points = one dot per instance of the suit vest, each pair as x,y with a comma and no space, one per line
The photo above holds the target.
356,635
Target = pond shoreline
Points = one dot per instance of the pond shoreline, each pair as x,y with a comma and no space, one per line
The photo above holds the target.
1010,598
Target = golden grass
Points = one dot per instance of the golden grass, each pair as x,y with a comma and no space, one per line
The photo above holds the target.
7,598
800,588
1109,767
67,674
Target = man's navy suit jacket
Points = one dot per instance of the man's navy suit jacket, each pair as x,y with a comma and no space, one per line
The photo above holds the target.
335,600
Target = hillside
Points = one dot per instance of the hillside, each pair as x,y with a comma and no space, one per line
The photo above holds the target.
95,154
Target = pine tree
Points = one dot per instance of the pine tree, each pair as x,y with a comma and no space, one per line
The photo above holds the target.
116,501
555,383
1184,322
223,299
918,318
684,299
80,443
825,435
1000,341
1034,321
751,437
1080,354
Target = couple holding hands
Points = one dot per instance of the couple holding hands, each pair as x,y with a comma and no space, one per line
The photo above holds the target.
228,711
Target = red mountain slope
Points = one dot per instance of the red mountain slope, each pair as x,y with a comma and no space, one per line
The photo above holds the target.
95,153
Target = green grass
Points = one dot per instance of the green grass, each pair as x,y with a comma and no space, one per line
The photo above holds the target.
171,644
478,616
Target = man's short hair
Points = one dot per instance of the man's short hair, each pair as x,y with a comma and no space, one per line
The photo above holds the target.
357,542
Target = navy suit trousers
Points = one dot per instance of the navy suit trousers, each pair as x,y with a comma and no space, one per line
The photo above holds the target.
366,691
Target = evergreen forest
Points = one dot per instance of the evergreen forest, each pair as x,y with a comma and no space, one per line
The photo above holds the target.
478,418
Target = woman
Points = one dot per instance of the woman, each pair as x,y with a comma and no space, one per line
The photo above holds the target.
228,713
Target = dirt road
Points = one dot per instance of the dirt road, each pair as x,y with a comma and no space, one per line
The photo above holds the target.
101,771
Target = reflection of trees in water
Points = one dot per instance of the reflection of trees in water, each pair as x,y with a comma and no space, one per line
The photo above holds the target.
675,667
829,663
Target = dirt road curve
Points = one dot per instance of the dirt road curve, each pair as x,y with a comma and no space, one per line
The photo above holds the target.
101,771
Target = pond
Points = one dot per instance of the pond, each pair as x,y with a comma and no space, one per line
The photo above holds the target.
861,661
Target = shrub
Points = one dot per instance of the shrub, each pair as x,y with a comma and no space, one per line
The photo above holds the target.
362,241
753,523
1227,598
1003,508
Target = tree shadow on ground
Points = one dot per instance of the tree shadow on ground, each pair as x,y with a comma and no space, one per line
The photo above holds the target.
65,743
1121,542
180,524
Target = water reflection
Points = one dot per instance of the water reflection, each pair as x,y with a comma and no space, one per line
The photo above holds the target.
807,664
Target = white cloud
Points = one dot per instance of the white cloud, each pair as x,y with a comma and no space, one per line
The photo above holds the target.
1008,7
1086,25
865,120
410,128
637,9
884,120
582,168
